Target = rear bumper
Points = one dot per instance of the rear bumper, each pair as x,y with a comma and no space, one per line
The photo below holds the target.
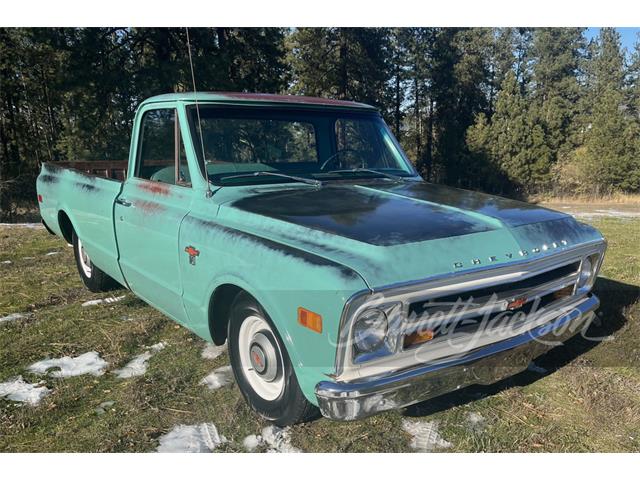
355,400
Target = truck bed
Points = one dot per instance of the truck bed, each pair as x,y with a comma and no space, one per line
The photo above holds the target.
74,199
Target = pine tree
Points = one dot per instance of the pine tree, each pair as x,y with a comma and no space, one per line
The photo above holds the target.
556,57
511,142
610,139
343,63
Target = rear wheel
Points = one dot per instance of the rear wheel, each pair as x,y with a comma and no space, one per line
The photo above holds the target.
92,277
262,367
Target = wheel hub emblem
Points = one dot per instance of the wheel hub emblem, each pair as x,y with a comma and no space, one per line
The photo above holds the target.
258,359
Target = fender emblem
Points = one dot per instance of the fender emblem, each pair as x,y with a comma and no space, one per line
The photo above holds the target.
193,253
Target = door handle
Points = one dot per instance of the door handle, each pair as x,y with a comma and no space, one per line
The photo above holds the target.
123,202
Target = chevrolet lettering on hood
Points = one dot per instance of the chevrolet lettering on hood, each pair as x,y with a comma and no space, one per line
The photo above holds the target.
296,231
509,255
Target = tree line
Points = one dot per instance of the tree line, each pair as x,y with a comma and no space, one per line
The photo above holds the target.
515,111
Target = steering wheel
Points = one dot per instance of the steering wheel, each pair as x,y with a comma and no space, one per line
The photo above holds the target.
332,158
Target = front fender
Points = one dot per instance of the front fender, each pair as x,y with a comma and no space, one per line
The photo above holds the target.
281,278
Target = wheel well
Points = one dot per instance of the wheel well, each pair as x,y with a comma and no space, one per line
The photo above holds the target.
219,308
66,227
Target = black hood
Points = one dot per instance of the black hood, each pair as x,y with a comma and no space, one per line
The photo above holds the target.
387,213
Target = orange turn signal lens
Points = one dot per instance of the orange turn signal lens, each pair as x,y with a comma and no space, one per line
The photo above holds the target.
310,319
416,338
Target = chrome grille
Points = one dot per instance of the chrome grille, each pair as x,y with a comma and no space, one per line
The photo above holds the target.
466,312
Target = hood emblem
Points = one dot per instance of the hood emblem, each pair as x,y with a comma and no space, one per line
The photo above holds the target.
510,255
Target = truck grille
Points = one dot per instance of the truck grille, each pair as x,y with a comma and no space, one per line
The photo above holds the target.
468,311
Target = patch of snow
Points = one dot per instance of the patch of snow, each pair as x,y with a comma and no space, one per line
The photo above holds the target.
426,437
138,366
532,367
21,225
12,316
18,390
89,362
211,351
156,347
476,421
103,300
251,442
104,406
202,438
6,262
51,253
219,378
277,440
28,258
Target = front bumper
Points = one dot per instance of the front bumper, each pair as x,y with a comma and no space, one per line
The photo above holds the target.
487,365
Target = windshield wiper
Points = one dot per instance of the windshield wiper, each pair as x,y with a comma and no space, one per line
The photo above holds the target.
368,170
308,181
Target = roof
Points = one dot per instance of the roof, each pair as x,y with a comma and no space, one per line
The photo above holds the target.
257,99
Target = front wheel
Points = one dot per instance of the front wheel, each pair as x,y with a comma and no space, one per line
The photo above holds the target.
261,366
92,277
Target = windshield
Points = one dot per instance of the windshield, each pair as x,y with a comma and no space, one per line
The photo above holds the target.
318,145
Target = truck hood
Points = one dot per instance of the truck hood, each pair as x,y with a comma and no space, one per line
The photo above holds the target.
392,232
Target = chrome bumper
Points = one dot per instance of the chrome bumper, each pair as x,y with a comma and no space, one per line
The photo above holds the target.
355,400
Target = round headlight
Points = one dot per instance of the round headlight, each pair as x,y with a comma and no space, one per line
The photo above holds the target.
370,330
585,272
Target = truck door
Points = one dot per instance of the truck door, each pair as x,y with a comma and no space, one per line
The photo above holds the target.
148,212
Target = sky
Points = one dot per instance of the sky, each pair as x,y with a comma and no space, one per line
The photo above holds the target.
628,36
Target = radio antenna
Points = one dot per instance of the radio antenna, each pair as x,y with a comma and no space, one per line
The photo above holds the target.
195,96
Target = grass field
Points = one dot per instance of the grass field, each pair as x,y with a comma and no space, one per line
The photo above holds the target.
584,397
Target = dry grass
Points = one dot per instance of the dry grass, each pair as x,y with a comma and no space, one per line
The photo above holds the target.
589,399
615,199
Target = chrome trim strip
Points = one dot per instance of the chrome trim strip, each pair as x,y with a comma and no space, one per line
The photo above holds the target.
356,400
449,283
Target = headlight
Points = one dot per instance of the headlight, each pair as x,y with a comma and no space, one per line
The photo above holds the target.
586,272
370,330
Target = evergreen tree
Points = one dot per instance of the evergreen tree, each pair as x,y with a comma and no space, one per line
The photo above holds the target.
343,63
556,91
511,142
610,139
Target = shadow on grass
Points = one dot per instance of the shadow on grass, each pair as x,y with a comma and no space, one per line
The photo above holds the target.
614,297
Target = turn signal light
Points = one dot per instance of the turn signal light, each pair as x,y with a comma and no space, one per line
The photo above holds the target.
309,319
418,337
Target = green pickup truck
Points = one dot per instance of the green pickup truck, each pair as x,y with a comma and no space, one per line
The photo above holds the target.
296,230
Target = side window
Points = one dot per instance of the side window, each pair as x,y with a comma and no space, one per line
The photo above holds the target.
161,155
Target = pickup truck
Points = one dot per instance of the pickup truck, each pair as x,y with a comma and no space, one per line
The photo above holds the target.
296,230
